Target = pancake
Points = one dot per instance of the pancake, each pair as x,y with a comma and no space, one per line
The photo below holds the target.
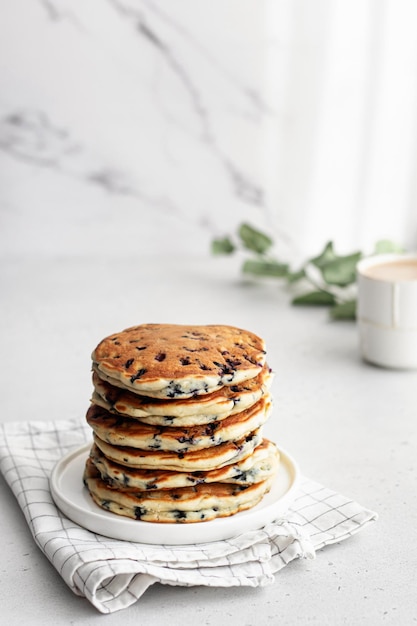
259,466
124,431
185,412
179,361
199,503
197,460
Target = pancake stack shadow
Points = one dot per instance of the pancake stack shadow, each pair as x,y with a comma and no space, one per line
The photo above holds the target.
177,415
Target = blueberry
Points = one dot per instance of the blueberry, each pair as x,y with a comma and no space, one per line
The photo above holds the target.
140,511
138,374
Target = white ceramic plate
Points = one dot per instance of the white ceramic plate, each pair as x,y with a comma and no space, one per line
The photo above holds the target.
73,499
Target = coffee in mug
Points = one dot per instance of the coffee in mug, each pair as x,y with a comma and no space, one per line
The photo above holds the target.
387,310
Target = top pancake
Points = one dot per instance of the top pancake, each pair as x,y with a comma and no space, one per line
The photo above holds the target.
179,361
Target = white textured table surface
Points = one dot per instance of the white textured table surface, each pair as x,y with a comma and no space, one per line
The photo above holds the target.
351,426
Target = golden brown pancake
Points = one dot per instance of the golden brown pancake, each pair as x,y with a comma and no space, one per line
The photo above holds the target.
258,466
119,430
199,503
196,460
182,412
179,361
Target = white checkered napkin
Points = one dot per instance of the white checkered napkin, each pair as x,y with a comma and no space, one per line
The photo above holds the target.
113,574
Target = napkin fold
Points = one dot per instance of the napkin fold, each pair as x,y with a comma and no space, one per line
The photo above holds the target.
113,574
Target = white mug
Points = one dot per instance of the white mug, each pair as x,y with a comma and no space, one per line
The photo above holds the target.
387,310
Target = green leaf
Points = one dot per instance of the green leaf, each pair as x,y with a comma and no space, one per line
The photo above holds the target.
315,298
385,245
222,246
294,277
253,239
342,270
327,255
259,267
344,311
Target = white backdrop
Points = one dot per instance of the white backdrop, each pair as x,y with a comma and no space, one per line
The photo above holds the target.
343,76
136,126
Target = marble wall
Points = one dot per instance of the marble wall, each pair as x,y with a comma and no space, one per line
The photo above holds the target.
134,126
141,126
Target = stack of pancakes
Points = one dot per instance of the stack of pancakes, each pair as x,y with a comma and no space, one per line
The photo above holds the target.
177,414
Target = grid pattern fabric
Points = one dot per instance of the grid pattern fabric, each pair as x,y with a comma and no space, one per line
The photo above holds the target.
113,574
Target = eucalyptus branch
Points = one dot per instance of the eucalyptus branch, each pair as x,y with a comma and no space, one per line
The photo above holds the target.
336,275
